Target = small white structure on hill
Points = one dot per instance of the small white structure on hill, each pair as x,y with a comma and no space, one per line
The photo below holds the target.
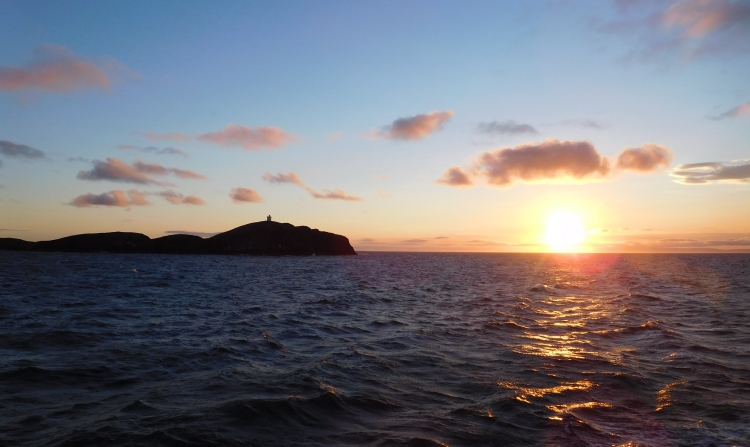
268,219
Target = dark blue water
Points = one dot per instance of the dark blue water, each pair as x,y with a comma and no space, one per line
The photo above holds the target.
377,349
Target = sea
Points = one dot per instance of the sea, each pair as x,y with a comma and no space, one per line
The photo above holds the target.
379,349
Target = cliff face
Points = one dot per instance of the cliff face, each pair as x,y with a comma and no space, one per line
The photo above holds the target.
259,238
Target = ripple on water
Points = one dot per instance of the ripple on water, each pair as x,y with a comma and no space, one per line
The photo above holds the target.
381,349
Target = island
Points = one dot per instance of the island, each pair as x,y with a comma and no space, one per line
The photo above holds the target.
257,238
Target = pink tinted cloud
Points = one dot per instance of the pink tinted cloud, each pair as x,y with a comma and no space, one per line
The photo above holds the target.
116,198
116,170
336,194
293,178
546,160
735,112
180,199
699,18
290,177
139,172
647,158
247,138
171,136
455,176
57,69
415,127
245,195
157,169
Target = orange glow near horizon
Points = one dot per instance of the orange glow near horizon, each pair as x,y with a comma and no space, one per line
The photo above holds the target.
565,231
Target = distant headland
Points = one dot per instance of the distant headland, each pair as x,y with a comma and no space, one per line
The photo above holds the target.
257,238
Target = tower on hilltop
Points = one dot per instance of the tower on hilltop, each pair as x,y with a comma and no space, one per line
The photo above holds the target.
268,219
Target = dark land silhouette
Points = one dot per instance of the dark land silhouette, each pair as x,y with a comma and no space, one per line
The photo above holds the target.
258,238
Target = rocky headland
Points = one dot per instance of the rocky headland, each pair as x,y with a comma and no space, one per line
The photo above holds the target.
258,238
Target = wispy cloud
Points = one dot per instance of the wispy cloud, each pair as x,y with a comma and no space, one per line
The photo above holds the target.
233,135
11,149
139,172
55,68
179,199
290,177
248,138
415,241
734,112
293,178
336,194
154,150
116,198
688,29
415,127
477,242
335,136
712,172
646,158
245,195
507,128
583,122
171,136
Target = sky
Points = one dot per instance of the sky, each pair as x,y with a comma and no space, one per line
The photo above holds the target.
403,125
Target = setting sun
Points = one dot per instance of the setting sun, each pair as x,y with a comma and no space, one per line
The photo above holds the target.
564,230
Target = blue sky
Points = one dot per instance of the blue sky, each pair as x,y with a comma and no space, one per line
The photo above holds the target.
335,75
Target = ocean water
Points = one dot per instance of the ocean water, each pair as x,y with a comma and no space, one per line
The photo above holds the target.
381,349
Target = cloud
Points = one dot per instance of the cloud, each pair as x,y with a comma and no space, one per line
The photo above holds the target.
547,160
506,128
335,136
118,171
293,178
698,18
415,127
490,243
647,158
587,123
192,233
180,199
737,241
455,176
245,195
117,198
157,169
710,172
283,178
11,149
172,136
734,112
154,150
688,29
55,68
233,135
414,241
336,194
77,160
248,138
556,160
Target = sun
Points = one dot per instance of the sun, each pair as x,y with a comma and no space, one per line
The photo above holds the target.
564,231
